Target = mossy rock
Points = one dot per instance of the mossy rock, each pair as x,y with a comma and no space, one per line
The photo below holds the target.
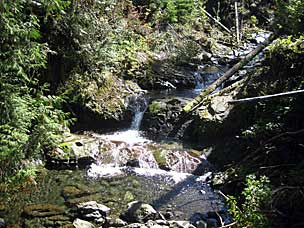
160,157
157,107
74,201
42,210
73,191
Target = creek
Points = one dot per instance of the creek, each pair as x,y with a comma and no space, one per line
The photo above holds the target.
130,170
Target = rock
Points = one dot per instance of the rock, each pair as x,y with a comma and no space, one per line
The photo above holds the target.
117,222
165,75
79,223
42,210
2,223
220,104
75,201
136,225
75,152
180,224
72,191
93,210
201,224
212,223
133,163
162,222
139,212
161,116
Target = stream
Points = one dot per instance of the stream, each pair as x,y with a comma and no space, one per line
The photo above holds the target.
129,170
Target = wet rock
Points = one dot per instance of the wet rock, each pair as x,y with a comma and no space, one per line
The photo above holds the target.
201,224
116,222
180,224
2,223
93,211
165,75
161,116
106,103
139,212
212,223
79,223
76,152
74,201
136,225
154,224
73,191
42,210
133,163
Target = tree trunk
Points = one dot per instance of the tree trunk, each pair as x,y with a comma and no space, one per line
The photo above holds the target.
195,103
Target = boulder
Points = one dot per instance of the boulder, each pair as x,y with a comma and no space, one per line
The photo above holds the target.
139,212
79,223
75,152
162,116
93,211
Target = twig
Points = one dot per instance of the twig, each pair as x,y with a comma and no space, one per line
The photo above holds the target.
220,218
228,225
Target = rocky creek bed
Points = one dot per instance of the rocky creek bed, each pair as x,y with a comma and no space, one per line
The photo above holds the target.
125,179
62,198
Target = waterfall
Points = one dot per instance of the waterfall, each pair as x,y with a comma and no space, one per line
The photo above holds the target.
139,106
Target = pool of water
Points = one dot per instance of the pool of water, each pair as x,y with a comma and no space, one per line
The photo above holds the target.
182,194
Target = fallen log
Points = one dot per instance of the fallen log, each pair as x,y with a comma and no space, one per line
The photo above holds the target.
195,103
266,97
217,21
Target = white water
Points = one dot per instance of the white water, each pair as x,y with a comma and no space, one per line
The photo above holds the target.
132,135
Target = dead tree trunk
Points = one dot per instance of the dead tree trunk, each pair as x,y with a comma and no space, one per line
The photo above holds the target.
195,103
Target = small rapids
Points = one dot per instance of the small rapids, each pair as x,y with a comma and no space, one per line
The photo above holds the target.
127,166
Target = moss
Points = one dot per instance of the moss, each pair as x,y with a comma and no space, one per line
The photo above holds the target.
66,147
156,107
160,158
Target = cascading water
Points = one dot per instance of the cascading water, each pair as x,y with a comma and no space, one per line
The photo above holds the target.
140,106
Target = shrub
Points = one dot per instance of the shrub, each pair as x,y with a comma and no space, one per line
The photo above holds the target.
255,195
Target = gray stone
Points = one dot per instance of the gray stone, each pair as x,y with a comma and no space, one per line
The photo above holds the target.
116,222
136,225
79,223
2,223
93,216
180,224
93,207
100,221
201,224
220,104
139,212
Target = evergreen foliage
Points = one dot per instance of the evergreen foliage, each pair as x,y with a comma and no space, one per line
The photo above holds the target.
30,120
